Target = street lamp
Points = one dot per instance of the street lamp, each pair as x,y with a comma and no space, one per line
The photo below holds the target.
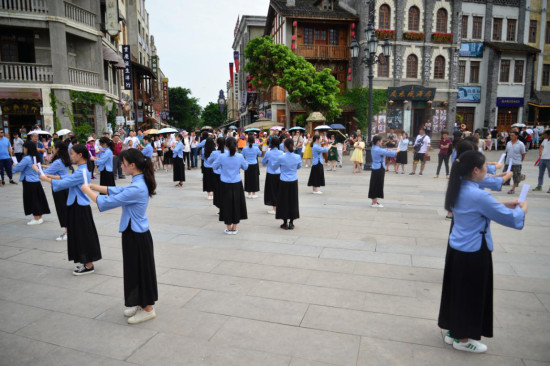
370,58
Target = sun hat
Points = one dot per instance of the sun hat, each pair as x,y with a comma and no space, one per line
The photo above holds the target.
90,139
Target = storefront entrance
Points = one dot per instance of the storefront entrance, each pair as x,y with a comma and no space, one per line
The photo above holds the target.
507,116
419,118
17,114
468,116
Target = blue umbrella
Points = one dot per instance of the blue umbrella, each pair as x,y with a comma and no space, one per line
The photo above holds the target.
337,126
297,128
232,127
252,130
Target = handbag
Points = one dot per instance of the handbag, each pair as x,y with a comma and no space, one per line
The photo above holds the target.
427,157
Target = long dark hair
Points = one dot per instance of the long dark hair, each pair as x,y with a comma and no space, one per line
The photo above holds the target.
289,144
62,153
315,139
144,165
462,168
209,146
110,144
251,140
231,144
81,149
274,143
220,141
31,148
465,145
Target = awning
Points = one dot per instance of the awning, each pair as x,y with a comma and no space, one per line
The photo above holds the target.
111,56
20,93
540,99
512,47
143,70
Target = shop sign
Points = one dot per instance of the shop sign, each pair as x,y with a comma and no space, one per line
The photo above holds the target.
165,101
510,102
155,64
111,17
471,49
411,92
27,107
469,94
127,57
140,116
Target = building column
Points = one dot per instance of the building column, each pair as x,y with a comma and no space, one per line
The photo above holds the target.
427,50
456,28
529,71
48,123
492,85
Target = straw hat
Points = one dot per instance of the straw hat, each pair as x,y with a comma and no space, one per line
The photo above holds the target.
90,139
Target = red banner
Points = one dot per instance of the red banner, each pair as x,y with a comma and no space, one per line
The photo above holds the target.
231,72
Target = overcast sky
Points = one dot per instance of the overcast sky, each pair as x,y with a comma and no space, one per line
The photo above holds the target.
194,41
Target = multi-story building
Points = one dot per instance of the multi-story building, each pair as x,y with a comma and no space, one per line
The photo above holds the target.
50,49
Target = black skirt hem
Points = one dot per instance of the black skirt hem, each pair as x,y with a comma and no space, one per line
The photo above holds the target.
287,199
376,186
271,189
106,179
252,179
34,199
233,208
316,176
179,170
82,239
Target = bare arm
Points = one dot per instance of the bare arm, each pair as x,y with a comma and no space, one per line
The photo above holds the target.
100,189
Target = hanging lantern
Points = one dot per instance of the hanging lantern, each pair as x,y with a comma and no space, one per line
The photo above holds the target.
293,47
352,25
293,37
295,24
349,77
352,34
349,70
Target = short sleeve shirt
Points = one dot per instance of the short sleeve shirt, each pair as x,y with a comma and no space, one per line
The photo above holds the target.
514,152
4,148
546,149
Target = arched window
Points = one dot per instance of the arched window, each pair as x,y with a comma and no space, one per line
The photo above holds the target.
414,18
383,67
384,18
412,67
439,67
441,21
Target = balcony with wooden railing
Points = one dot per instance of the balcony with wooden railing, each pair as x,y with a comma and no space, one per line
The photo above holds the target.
26,6
79,15
83,77
322,52
20,72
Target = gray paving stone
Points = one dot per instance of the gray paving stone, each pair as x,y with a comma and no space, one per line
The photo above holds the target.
7,251
263,272
16,316
319,264
207,281
374,257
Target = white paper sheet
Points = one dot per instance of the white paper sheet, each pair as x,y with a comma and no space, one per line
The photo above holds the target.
502,157
510,166
524,191
40,169
14,159
85,175
34,159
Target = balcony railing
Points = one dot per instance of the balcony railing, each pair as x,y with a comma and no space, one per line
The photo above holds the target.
29,6
79,15
17,72
323,52
83,77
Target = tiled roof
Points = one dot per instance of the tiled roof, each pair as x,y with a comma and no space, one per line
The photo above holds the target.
512,47
310,9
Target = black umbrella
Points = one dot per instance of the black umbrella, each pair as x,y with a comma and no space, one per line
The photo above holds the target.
338,135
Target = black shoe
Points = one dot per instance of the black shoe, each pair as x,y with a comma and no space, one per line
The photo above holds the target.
83,270
3,182
12,182
290,226
284,226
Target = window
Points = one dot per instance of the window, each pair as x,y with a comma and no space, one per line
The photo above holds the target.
546,75
461,72
308,35
474,72
533,31
441,22
320,35
16,46
518,71
412,67
465,26
383,67
511,30
477,28
384,20
497,29
328,4
333,37
547,33
414,18
504,71
439,67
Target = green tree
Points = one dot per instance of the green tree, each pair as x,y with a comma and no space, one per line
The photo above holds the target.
184,108
273,64
211,115
359,97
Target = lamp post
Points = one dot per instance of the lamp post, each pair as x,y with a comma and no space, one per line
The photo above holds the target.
370,58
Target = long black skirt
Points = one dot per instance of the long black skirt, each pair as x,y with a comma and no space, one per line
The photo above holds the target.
106,178
207,180
271,189
401,157
217,201
467,296
287,201
34,199
252,178
60,200
179,170
376,187
233,208
82,239
140,277
316,176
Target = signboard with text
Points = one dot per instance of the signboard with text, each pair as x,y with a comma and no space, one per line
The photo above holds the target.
510,102
165,101
411,92
111,17
127,57
155,64
471,49
469,94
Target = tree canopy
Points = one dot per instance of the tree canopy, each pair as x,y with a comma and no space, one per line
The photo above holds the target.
273,64
211,115
359,97
184,108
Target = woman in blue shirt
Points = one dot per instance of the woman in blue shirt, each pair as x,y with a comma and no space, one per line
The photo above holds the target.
179,167
251,153
467,295
216,182
148,149
317,174
105,162
34,198
272,176
82,239
140,279
207,171
233,207
287,195
378,170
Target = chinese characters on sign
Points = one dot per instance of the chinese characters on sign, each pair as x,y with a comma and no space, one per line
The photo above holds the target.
469,94
411,92
165,103
111,17
510,102
236,87
155,64
126,56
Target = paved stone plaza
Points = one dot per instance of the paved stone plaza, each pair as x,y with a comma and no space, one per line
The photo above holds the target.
351,285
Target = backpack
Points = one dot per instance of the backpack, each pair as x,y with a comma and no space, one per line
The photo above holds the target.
418,145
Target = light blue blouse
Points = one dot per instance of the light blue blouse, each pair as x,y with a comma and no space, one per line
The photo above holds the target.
403,145
473,213
133,199
270,159
251,154
148,151
289,163
73,182
230,167
178,150
57,168
25,167
378,156
492,183
317,152
105,161
212,158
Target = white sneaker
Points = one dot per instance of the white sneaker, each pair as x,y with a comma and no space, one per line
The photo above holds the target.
210,197
61,237
317,192
470,346
142,316
234,232
271,212
377,205
255,196
307,166
448,338
129,312
35,222
228,232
